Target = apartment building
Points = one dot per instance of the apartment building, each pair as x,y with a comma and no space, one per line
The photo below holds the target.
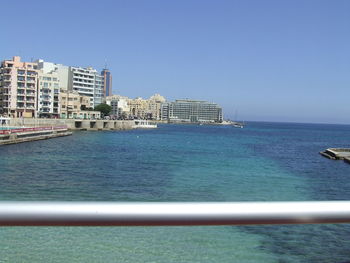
120,107
48,94
154,106
74,106
136,108
18,88
87,82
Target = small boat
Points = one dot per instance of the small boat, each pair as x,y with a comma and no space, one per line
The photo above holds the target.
238,125
144,124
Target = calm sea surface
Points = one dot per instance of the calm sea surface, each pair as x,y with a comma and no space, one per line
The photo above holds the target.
263,161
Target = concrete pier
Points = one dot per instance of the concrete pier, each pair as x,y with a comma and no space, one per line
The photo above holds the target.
14,136
337,154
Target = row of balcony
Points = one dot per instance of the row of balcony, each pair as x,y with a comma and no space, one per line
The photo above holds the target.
25,106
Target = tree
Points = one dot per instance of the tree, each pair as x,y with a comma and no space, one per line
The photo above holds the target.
105,109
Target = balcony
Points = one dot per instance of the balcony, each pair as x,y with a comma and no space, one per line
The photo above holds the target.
6,92
31,73
20,105
30,105
31,80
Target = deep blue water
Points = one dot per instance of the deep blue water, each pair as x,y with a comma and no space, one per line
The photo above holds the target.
263,161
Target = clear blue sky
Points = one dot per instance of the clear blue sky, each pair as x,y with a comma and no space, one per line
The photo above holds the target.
268,60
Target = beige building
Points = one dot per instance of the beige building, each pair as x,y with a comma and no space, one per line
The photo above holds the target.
136,108
146,108
154,106
18,88
120,107
73,106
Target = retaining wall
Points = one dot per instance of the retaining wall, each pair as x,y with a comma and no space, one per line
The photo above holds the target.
75,124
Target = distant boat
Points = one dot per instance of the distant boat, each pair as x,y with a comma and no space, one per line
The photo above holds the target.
144,124
238,125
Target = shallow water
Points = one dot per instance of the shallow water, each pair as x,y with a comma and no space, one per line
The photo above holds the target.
263,161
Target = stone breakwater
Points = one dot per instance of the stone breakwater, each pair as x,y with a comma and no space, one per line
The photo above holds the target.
18,135
75,124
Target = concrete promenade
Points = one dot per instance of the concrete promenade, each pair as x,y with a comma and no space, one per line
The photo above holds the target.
74,124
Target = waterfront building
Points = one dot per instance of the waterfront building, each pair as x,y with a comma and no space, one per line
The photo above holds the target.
76,106
86,81
137,108
62,71
149,109
154,106
48,94
107,82
120,107
18,88
191,111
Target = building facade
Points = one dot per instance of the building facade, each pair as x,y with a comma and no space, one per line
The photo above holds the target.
120,107
87,82
137,108
73,106
48,95
191,111
18,88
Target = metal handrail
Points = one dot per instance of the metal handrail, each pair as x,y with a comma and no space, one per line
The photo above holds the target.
171,214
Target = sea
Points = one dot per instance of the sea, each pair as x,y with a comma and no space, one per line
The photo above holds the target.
261,162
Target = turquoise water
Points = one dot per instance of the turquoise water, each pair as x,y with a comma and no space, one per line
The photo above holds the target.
264,161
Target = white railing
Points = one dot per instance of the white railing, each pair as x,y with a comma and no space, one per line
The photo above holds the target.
169,214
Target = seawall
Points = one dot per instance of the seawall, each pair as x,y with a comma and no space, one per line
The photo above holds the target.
75,124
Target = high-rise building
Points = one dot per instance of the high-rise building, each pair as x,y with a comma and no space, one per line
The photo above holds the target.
107,84
86,81
18,88
63,72
48,94
191,111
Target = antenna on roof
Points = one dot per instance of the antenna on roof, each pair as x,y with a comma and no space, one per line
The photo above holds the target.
105,63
